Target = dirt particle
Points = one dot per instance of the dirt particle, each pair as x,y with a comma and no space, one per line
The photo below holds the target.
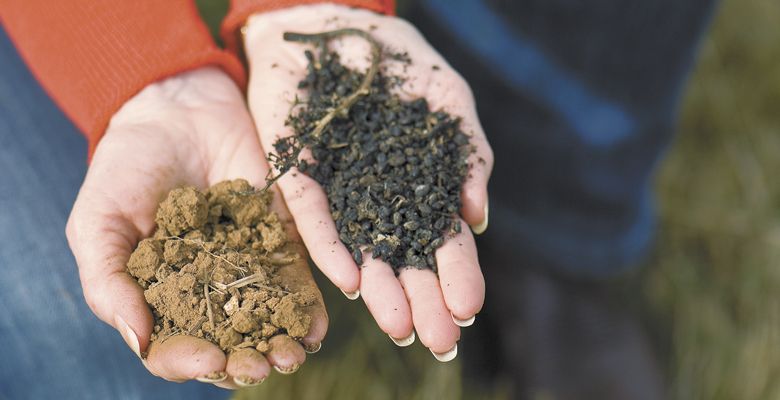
146,259
183,210
263,346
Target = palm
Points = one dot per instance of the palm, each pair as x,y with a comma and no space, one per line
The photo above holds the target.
416,299
193,129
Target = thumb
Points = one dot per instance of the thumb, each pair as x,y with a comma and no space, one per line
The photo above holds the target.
102,244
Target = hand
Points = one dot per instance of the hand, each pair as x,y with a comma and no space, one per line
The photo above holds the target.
189,129
417,299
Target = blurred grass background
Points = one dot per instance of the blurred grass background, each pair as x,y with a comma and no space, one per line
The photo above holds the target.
715,276
713,281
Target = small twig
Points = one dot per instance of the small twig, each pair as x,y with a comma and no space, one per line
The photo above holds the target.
215,289
208,306
203,246
249,280
197,325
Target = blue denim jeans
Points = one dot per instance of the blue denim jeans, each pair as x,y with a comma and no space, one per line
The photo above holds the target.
51,345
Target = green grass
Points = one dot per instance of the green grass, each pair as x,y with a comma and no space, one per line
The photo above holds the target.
717,267
714,279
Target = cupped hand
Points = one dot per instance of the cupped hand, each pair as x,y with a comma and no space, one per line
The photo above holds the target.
190,129
417,300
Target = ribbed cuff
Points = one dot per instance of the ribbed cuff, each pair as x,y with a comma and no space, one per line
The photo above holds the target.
92,56
240,10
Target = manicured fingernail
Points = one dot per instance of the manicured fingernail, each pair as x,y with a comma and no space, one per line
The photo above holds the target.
312,348
352,295
130,337
246,381
447,356
214,377
287,371
463,322
405,341
482,226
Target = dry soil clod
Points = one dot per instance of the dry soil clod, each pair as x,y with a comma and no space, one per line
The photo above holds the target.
210,269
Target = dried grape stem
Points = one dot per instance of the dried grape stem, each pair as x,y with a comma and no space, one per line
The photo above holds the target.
342,108
365,86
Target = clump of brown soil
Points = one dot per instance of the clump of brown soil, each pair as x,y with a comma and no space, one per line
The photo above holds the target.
210,269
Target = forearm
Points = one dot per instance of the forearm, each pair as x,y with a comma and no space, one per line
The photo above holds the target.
91,57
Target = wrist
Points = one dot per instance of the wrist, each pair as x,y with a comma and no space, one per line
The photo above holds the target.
267,27
241,10
168,96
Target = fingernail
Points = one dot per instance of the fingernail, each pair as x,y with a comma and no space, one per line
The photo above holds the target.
214,377
463,322
130,337
405,341
287,371
352,295
447,356
312,348
482,226
246,381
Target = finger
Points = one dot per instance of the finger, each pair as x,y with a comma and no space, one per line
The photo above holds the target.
101,244
286,355
308,204
449,92
247,367
460,277
385,298
432,319
181,358
297,276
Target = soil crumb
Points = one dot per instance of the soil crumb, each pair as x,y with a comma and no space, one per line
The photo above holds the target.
210,269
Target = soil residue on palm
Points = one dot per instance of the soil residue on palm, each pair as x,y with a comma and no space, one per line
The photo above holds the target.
210,269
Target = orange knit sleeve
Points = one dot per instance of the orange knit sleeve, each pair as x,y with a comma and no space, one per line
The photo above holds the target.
92,56
240,10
